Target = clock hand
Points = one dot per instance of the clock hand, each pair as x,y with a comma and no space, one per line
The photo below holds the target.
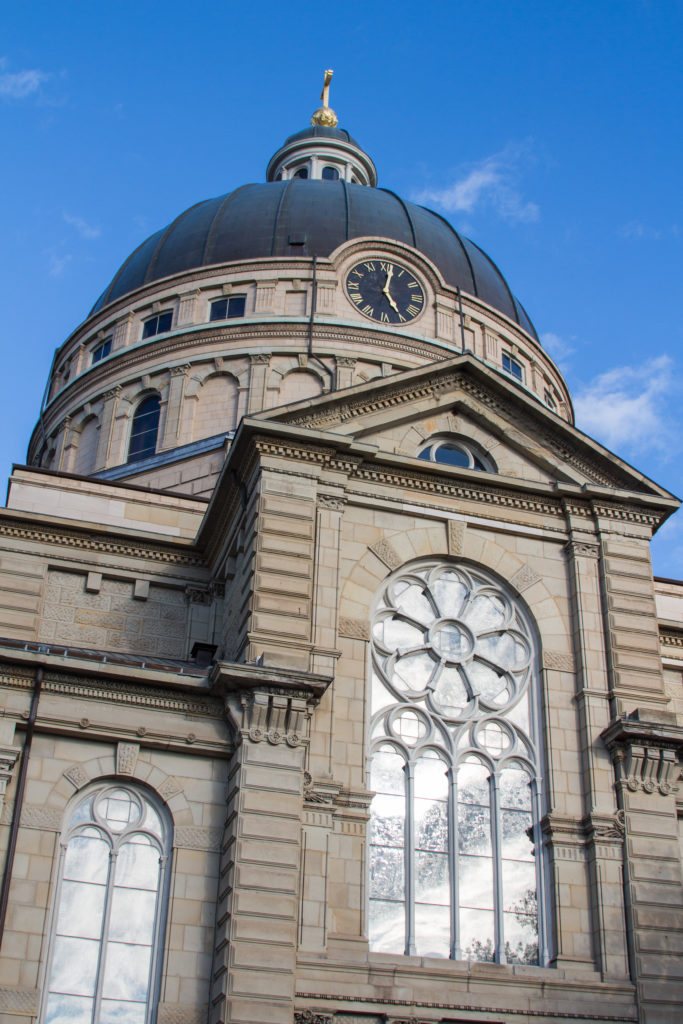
385,290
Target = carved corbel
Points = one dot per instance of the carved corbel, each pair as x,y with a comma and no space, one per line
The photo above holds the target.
646,752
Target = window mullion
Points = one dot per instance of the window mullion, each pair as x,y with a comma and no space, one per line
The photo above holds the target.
410,860
498,932
102,959
455,953
541,918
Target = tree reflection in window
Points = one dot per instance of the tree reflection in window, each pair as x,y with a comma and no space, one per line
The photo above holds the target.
109,909
454,831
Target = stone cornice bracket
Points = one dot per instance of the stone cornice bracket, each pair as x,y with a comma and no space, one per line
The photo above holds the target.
204,593
268,704
646,748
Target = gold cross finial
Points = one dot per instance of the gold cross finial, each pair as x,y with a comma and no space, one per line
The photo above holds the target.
325,116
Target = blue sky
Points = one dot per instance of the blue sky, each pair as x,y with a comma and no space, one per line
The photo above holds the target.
549,132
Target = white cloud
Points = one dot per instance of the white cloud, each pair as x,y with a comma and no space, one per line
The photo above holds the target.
626,407
57,264
635,229
490,183
558,348
84,229
17,85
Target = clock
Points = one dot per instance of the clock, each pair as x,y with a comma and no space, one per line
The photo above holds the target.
385,291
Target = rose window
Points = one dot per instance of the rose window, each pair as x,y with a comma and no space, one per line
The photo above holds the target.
454,835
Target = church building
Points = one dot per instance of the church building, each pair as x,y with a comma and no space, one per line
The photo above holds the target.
335,683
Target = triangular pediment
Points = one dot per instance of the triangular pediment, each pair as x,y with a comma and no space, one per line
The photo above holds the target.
461,397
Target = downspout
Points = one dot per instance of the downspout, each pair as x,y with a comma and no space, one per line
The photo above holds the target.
19,801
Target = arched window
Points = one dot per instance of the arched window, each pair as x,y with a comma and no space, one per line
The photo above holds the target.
454,840
109,906
330,174
452,451
143,435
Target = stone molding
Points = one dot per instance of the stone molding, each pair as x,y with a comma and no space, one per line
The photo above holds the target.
148,551
374,1016
646,753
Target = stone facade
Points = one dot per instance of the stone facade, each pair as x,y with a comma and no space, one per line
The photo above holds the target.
205,639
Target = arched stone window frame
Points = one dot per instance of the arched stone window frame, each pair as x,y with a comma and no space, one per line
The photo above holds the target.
457,737
89,819
135,419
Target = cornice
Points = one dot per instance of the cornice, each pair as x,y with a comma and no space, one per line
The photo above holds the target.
41,531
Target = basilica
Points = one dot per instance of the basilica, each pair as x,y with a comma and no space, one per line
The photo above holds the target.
335,683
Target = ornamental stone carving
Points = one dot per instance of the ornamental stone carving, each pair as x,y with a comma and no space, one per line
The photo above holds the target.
646,748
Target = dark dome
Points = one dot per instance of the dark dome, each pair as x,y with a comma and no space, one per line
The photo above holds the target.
310,218
319,131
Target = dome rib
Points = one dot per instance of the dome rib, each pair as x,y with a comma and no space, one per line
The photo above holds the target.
406,212
305,218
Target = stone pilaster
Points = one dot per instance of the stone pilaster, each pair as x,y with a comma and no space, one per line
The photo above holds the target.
177,377
646,748
345,367
599,852
8,758
109,408
254,969
258,381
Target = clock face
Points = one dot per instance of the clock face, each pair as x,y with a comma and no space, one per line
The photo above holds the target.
385,291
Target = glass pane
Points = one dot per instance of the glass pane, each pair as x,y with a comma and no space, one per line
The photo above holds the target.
137,865
430,778
387,926
413,671
487,611
409,727
87,858
80,910
68,1010
473,783
132,916
474,829
74,966
411,599
519,886
431,878
476,934
165,322
520,714
452,455
118,809
507,651
387,821
219,309
381,698
387,872
386,774
126,972
452,642
485,680
236,305
432,930
475,882
400,634
152,821
514,790
426,454
521,938
431,825
450,593
493,738
115,1012
82,813
450,693
515,843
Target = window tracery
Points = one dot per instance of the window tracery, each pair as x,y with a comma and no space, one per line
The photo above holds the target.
109,907
454,743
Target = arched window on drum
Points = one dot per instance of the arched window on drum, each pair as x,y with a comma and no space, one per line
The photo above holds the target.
455,865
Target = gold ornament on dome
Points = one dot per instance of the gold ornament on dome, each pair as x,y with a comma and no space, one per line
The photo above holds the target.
324,115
